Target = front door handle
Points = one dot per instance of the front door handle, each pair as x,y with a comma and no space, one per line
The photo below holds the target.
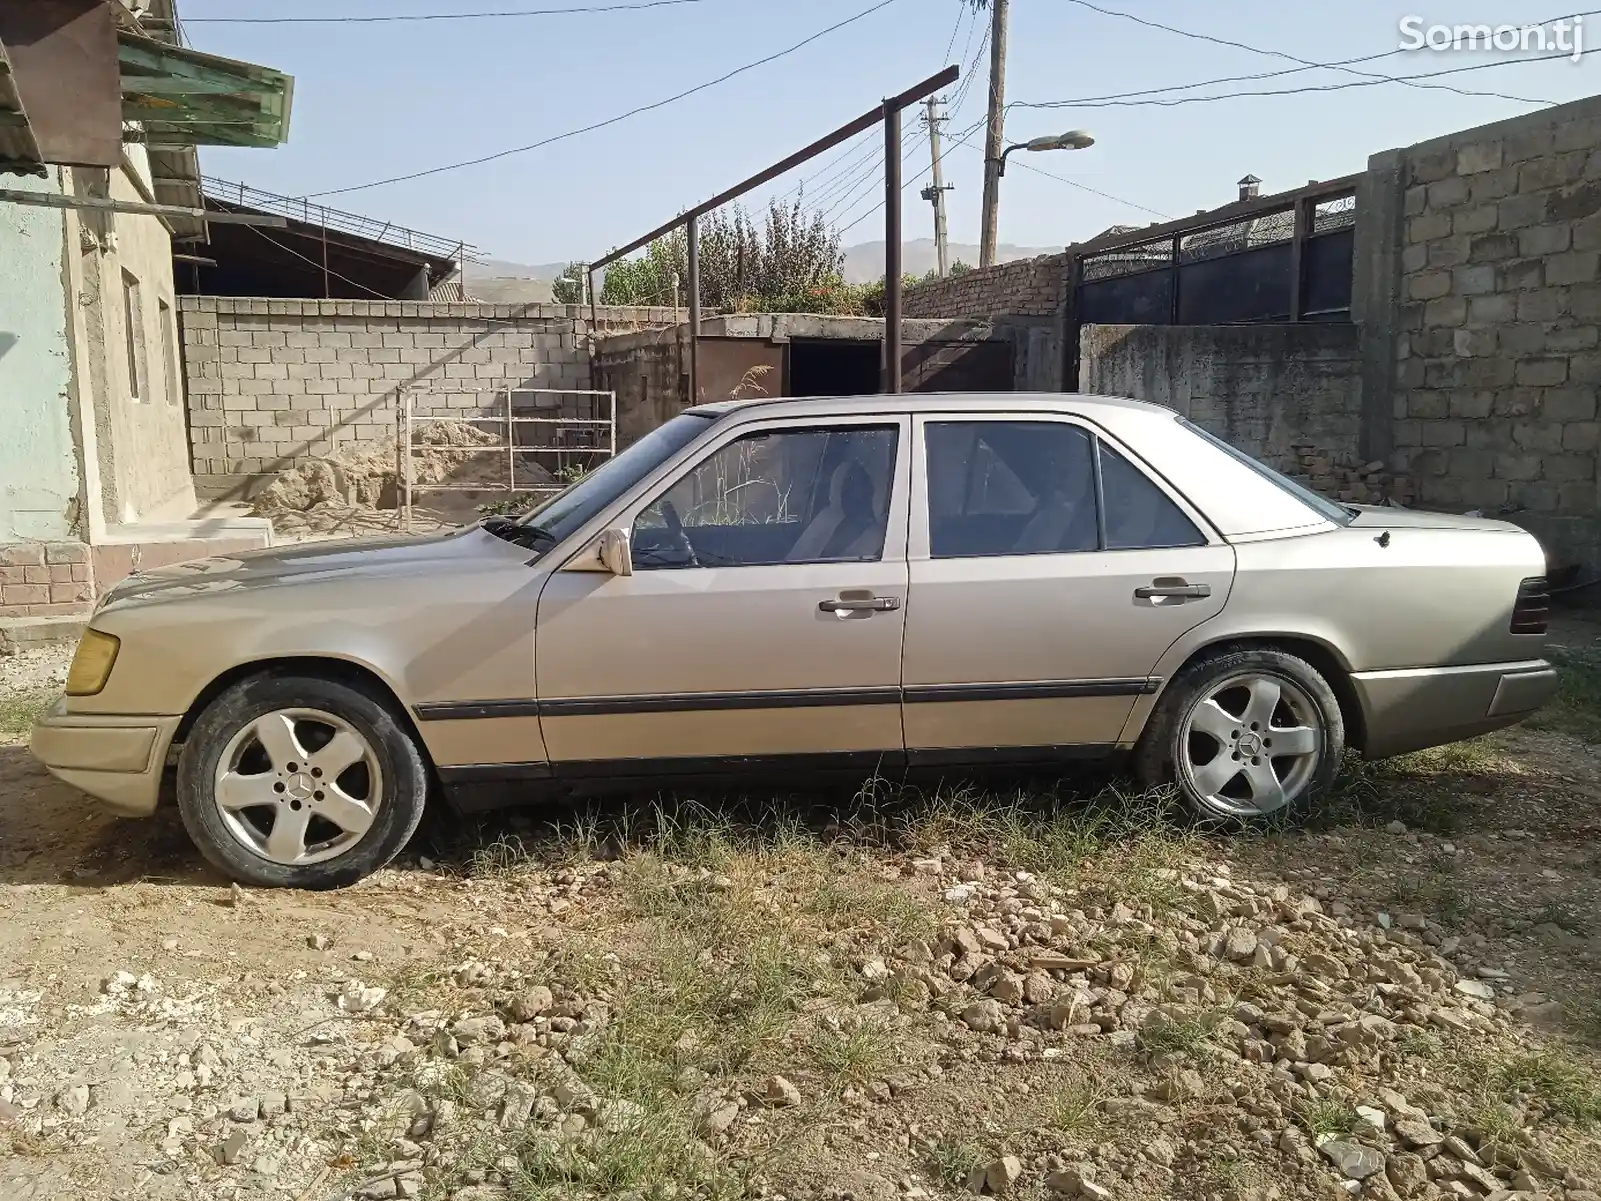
1177,589
860,604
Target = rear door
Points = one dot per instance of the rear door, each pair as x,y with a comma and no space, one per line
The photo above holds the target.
1049,571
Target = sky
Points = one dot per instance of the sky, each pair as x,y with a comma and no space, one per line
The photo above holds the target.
377,100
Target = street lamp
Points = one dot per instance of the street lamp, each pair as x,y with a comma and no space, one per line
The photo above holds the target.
1073,139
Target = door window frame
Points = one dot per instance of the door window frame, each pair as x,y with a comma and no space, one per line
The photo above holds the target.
918,537
627,512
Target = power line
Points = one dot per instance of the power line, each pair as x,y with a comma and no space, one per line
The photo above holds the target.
1172,102
1219,41
961,140
634,112
633,6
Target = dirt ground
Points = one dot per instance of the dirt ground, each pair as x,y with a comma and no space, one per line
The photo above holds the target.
891,996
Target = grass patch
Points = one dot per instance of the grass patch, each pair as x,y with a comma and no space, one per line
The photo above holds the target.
852,1053
1074,1109
1551,1080
1187,1035
952,1162
1324,1115
19,712
1576,708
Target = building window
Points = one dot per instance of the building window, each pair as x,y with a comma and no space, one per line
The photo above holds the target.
133,328
169,352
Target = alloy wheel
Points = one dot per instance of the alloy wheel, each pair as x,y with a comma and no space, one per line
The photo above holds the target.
298,786
1251,744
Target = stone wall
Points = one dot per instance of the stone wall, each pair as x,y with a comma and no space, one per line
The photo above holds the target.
1270,390
1023,288
45,579
1492,334
272,382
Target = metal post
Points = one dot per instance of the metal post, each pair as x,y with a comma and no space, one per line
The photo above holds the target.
692,228
1303,224
589,277
611,426
325,292
406,473
511,449
892,247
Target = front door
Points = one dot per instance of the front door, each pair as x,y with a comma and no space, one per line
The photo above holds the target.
1049,572
763,620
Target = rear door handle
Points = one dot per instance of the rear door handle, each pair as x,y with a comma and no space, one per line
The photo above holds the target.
860,604
1184,591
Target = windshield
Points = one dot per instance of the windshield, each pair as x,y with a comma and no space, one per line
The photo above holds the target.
1324,507
567,510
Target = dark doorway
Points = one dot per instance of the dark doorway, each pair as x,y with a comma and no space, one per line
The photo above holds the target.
835,367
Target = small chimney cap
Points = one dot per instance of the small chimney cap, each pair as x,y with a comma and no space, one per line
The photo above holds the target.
1249,179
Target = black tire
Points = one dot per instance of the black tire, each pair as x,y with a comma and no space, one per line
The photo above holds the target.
400,803
1157,754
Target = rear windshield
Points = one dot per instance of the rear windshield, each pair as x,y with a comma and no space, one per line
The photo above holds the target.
1322,505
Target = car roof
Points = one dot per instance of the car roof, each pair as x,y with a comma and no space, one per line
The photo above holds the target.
907,402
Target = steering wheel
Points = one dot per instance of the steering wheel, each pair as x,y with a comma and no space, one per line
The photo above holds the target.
675,527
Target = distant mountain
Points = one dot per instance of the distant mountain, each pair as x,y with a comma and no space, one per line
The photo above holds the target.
499,281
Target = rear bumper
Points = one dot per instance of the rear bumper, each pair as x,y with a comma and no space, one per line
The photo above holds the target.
1413,708
117,760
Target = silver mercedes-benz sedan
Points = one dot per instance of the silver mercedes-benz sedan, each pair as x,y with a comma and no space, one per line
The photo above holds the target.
869,585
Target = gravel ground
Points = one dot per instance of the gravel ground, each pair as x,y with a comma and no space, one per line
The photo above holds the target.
900,997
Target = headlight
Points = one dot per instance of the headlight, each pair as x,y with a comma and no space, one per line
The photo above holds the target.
91,665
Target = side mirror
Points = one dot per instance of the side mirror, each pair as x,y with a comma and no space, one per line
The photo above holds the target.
616,551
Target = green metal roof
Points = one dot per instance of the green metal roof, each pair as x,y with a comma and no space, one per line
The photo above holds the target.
185,98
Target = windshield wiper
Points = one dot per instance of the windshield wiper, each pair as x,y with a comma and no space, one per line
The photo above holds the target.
519,534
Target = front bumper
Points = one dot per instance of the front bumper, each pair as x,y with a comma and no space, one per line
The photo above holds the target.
117,760
1413,708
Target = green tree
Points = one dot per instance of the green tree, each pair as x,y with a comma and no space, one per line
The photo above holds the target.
568,287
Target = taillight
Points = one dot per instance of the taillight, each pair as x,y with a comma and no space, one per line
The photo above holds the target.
1532,610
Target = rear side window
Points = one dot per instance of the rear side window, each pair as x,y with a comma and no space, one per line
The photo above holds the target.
1041,487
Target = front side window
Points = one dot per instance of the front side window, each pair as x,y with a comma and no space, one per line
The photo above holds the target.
818,495
1041,487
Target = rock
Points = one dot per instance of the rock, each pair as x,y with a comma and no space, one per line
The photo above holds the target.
1071,1181
998,1177
1050,961
118,982
1324,967
356,997
246,1109
1406,1173
715,1115
1416,1133
986,1017
1007,988
73,1100
237,896
1371,1118
1240,944
231,1148
531,1002
875,969
488,1029
1454,1145
1352,1160
1396,827
1477,989
1038,988
319,942
780,1093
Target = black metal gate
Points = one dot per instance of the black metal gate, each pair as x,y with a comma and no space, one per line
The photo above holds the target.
1281,258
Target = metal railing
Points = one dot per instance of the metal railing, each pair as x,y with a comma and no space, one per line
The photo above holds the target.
575,441
301,209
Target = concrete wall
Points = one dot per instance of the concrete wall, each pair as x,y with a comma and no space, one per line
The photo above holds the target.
1483,319
1268,389
272,382
1023,288
39,475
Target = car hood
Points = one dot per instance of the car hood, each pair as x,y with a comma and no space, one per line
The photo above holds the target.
1390,517
307,562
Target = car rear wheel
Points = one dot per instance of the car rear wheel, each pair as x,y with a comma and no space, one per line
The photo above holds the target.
299,782
1245,734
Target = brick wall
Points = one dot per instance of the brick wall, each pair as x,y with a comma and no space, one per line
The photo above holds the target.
1496,356
1024,288
272,382
45,579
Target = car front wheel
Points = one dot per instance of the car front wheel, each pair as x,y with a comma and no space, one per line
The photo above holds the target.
1245,734
299,782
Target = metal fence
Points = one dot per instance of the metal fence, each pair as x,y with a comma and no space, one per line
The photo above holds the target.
1281,258
544,440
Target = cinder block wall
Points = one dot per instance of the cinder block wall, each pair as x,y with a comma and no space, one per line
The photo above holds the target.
1023,288
272,382
1495,345
45,579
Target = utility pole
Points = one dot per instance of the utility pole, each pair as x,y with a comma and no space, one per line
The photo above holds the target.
935,192
994,137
